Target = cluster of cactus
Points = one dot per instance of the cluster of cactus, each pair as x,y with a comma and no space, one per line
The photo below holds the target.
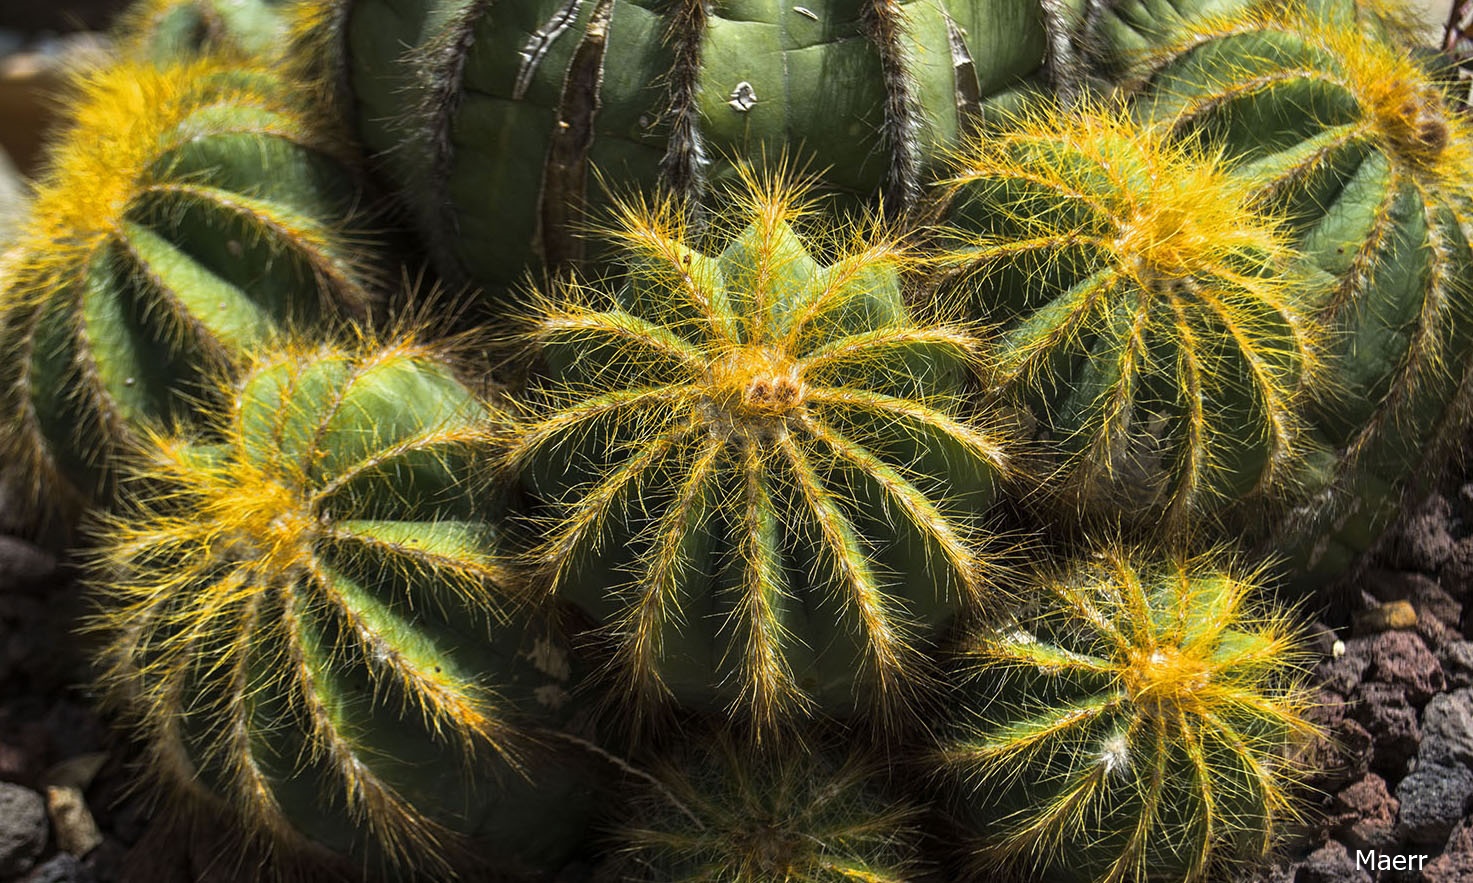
739,464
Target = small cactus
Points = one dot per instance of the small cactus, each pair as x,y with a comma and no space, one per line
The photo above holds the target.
302,618
728,813
1340,131
1140,723
756,470
1151,319
190,213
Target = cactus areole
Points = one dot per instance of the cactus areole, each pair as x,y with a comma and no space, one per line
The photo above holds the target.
755,468
496,115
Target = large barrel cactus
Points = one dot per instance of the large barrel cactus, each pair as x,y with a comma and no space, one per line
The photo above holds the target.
1152,320
305,617
756,470
493,118
1342,133
191,212
1139,722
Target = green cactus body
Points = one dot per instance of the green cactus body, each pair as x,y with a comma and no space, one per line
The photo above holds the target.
755,469
168,31
190,213
1137,725
1151,319
301,618
1129,36
1351,141
724,813
662,95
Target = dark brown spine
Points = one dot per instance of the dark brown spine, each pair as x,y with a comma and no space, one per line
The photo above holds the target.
438,70
564,198
683,168
884,23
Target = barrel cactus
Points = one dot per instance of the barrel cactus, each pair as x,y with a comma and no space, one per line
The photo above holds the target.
306,617
724,812
756,470
1140,722
190,213
1339,130
651,95
1152,320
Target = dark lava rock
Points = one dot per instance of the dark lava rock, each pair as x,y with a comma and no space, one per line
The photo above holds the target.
1344,674
1433,798
1386,586
1341,758
1447,730
1331,863
60,868
1457,573
23,564
23,828
1402,658
1457,663
1367,814
1455,865
1424,542
1392,724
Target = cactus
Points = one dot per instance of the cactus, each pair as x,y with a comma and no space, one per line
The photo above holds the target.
303,619
726,813
1122,37
1140,723
1342,132
660,97
167,31
755,470
1151,319
189,214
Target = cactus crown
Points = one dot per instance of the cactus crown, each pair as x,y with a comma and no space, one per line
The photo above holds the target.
1096,240
271,582
1140,722
762,387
